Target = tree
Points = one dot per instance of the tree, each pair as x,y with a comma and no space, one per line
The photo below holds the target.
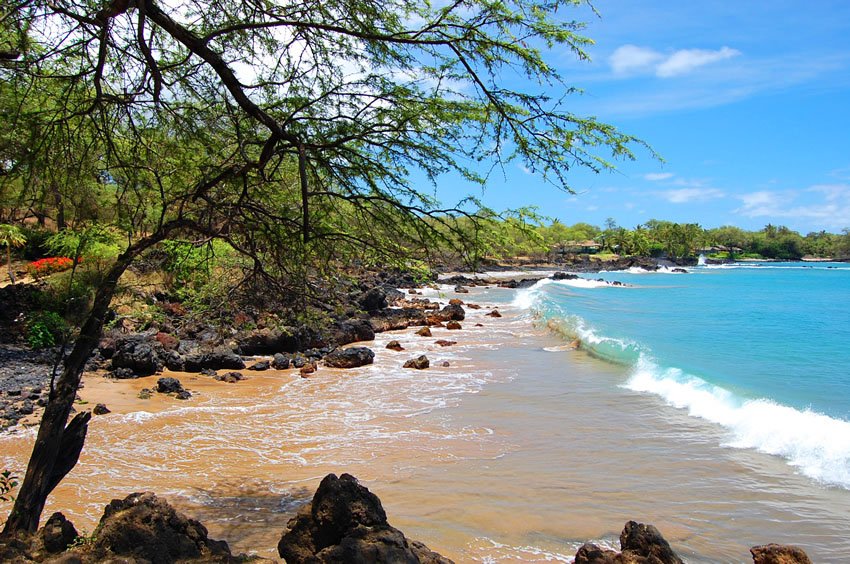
263,124
11,236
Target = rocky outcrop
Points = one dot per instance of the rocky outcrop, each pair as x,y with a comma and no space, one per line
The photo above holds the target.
268,341
139,355
350,358
639,544
391,319
168,386
219,359
779,554
373,299
352,331
143,526
345,522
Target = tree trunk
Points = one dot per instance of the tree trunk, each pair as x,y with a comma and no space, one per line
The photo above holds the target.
57,447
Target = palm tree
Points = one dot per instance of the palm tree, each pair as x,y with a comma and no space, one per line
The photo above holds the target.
11,236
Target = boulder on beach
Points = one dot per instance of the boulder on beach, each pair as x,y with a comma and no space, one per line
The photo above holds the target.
452,312
169,385
101,409
218,359
350,358
352,331
140,356
345,522
444,342
424,332
453,326
260,365
779,554
421,362
494,313
456,301
395,346
229,377
280,361
639,544
391,319
373,299
143,526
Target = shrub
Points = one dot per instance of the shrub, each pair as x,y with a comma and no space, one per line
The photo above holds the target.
45,329
49,265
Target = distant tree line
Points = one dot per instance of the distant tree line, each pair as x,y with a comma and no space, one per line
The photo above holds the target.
527,235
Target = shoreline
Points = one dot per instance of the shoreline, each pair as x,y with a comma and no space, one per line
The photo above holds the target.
509,349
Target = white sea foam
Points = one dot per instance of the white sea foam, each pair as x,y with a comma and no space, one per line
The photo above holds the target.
816,444
527,298
584,283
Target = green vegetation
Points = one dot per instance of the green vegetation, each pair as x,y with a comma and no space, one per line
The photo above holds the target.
11,236
8,482
533,238
45,329
268,149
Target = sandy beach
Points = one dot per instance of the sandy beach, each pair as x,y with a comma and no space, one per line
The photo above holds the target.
520,450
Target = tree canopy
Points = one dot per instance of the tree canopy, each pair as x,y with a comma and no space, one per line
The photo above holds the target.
288,129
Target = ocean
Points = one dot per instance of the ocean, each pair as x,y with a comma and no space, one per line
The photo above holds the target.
760,349
711,404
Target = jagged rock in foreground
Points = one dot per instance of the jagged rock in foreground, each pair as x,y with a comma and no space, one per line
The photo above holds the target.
346,522
639,543
779,554
145,526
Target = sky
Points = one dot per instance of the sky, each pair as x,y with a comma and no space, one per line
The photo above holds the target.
746,101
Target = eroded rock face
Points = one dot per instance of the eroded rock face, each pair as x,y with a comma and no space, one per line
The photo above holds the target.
350,358
779,554
346,522
145,526
639,543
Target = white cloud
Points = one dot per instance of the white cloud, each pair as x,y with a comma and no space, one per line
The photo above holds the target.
825,205
688,195
686,60
658,176
631,59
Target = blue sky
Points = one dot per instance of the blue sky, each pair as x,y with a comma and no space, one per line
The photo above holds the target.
747,101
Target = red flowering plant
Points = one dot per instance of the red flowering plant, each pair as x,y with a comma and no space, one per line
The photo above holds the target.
49,265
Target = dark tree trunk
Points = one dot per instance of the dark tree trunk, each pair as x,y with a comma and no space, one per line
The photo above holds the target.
57,447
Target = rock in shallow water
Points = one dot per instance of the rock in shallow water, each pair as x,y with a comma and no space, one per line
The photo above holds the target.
346,522
421,362
779,554
639,543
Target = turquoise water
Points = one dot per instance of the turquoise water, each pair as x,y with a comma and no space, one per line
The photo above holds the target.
758,349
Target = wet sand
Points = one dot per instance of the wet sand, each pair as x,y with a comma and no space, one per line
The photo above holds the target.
511,454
